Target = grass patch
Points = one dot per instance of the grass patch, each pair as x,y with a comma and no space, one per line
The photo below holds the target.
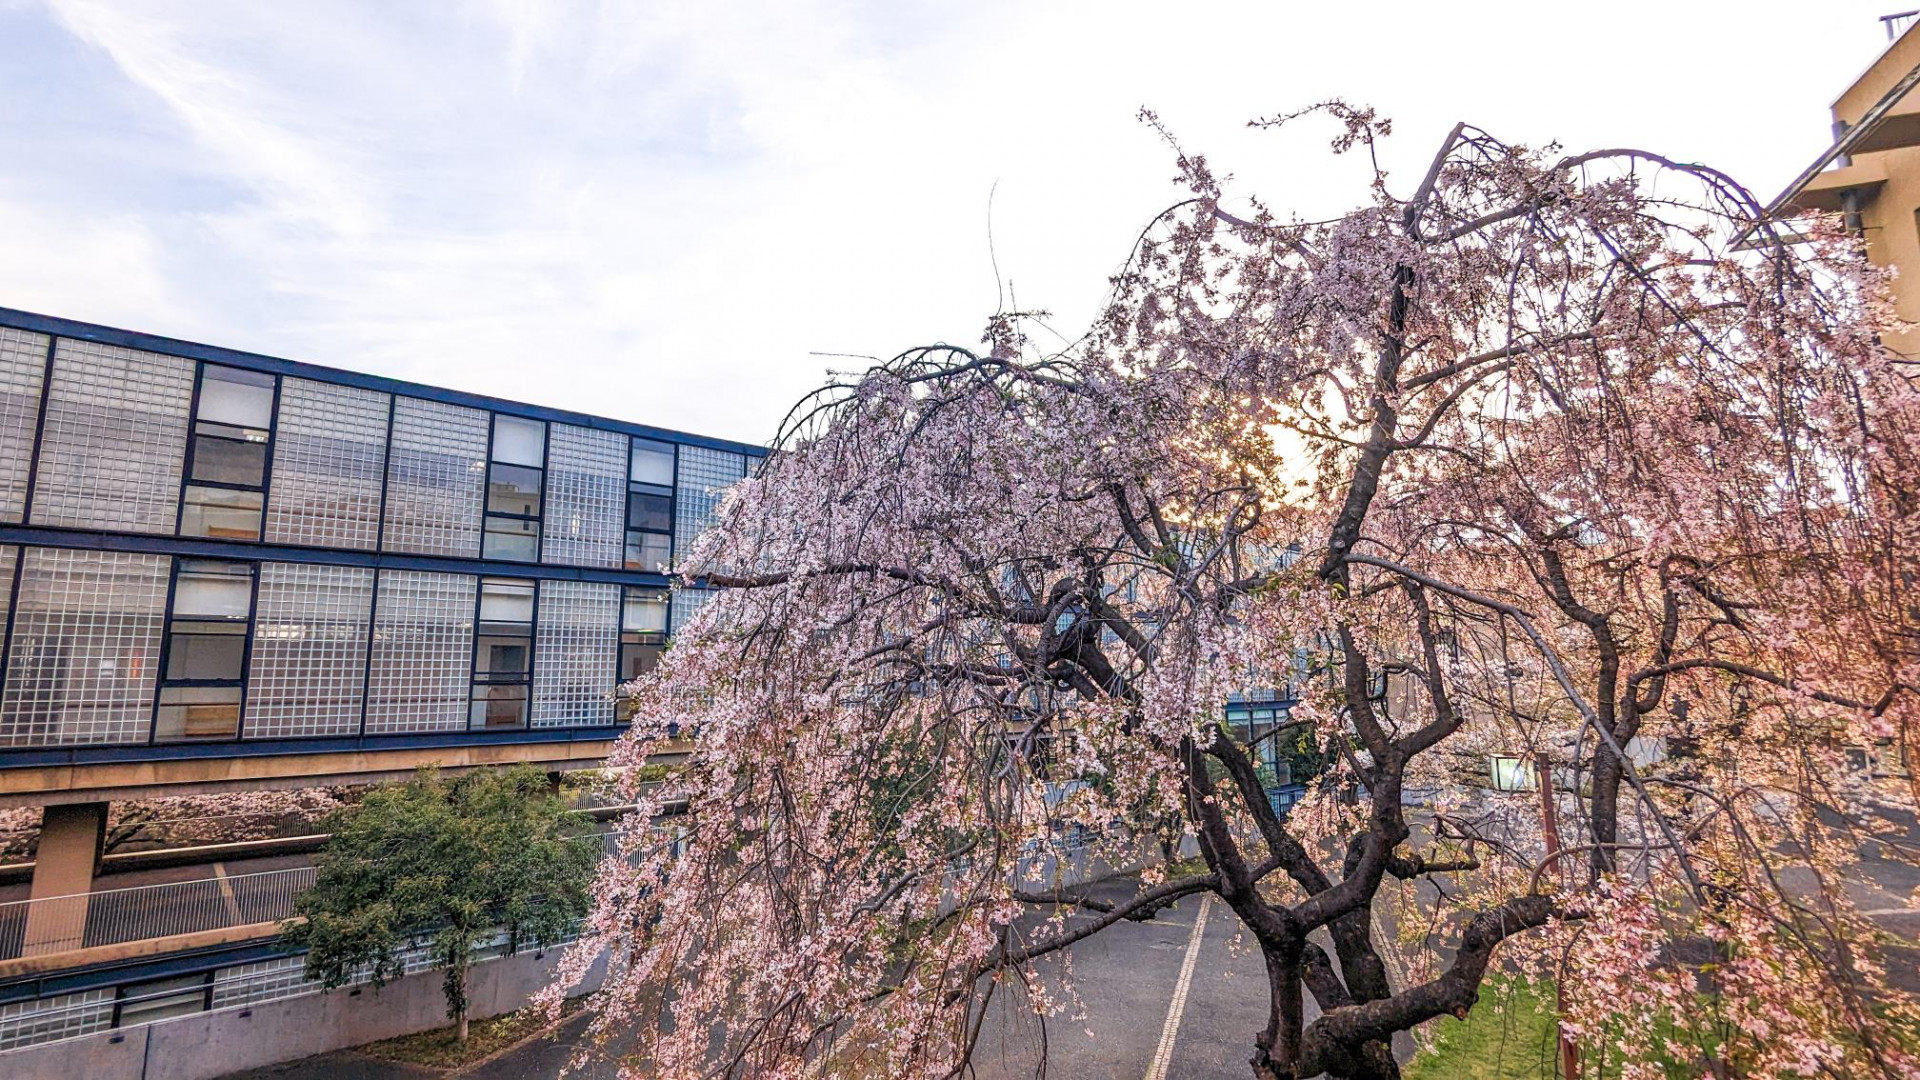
1509,1035
439,1049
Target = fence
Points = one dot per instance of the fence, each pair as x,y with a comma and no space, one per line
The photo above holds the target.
51,1019
112,916
249,1016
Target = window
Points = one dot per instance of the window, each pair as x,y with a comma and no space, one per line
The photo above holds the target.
1512,774
225,491
516,475
643,636
204,661
161,999
1254,724
650,506
502,655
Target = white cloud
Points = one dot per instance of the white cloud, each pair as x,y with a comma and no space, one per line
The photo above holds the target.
223,109
107,270
659,211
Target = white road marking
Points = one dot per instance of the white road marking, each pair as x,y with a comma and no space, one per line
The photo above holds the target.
1163,1056
226,892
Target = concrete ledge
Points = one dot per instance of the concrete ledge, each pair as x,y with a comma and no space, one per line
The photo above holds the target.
44,785
45,963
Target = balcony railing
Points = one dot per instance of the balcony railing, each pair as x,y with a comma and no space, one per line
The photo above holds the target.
113,916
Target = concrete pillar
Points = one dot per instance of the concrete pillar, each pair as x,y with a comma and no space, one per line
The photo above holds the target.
70,841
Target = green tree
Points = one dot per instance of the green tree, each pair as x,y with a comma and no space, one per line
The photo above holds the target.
448,861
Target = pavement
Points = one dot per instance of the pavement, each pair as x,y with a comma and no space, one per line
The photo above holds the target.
1128,979
544,1057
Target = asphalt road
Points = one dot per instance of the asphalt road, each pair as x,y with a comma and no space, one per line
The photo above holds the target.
1126,977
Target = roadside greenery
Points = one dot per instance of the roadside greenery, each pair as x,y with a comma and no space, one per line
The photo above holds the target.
447,862
442,1048
1509,1035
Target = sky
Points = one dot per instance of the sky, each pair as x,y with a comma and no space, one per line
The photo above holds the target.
684,214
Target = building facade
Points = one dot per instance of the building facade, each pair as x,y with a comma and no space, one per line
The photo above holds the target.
1870,173
206,552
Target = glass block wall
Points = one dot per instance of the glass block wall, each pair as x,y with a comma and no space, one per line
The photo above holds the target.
115,438
330,450
262,980
422,652
309,651
575,650
23,367
686,604
86,644
704,477
353,464
586,505
436,478
24,1023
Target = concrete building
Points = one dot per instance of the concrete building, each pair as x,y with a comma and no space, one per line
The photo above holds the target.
1871,171
222,571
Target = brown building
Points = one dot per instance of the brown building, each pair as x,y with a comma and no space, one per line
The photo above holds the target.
1871,172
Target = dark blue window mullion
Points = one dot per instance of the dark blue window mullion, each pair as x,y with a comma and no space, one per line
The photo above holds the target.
221,548
473,662
266,470
379,543
533,631
620,617
540,527
246,651
39,435
166,646
386,476
673,524
13,609
186,467
366,667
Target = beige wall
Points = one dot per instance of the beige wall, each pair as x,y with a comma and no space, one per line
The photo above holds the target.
1890,214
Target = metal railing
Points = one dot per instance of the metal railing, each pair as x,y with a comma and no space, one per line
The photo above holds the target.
113,916
66,1016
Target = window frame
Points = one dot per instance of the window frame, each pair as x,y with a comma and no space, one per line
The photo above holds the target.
538,519
187,481
474,680
621,713
121,996
627,530
161,683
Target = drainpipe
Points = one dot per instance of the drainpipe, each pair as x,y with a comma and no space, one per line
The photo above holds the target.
1850,211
